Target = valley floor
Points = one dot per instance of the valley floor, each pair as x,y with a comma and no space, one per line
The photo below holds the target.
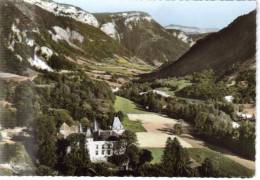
158,129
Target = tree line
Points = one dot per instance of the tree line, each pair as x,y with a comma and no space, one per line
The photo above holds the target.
212,118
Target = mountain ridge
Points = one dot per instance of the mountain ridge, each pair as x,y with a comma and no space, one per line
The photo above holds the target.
221,51
143,36
65,10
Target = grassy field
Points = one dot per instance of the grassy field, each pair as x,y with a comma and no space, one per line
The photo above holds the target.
134,126
157,154
225,164
127,106
142,67
121,66
182,84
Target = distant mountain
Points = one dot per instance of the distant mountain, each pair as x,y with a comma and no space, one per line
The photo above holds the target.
231,49
182,36
191,30
188,34
144,37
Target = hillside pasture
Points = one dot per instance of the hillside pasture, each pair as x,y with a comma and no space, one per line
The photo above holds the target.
127,106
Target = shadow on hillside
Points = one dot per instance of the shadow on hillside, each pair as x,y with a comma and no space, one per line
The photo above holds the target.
168,131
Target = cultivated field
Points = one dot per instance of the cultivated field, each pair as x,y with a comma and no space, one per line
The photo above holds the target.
154,122
157,140
156,127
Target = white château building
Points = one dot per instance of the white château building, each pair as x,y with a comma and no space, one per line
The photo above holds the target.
100,143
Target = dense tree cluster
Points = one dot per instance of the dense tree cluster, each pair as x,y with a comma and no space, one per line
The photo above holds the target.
171,83
212,118
44,126
245,88
80,96
55,98
205,87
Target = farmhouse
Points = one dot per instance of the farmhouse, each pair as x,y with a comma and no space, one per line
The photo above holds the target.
100,143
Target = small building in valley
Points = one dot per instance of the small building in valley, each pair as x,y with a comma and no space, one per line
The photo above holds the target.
66,130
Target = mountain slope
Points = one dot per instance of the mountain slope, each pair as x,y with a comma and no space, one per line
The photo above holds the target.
224,51
31,36
144,37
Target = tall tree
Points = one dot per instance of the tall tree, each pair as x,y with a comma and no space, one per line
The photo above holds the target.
175,160
207,169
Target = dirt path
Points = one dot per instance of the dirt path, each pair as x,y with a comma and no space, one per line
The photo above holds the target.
158,130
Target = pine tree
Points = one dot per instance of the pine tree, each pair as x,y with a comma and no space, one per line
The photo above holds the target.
176,159
207,169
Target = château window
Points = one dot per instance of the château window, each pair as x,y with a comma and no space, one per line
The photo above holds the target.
108,152
103,152
96,146
96,152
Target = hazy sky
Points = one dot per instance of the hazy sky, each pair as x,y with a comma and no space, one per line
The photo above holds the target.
207,14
